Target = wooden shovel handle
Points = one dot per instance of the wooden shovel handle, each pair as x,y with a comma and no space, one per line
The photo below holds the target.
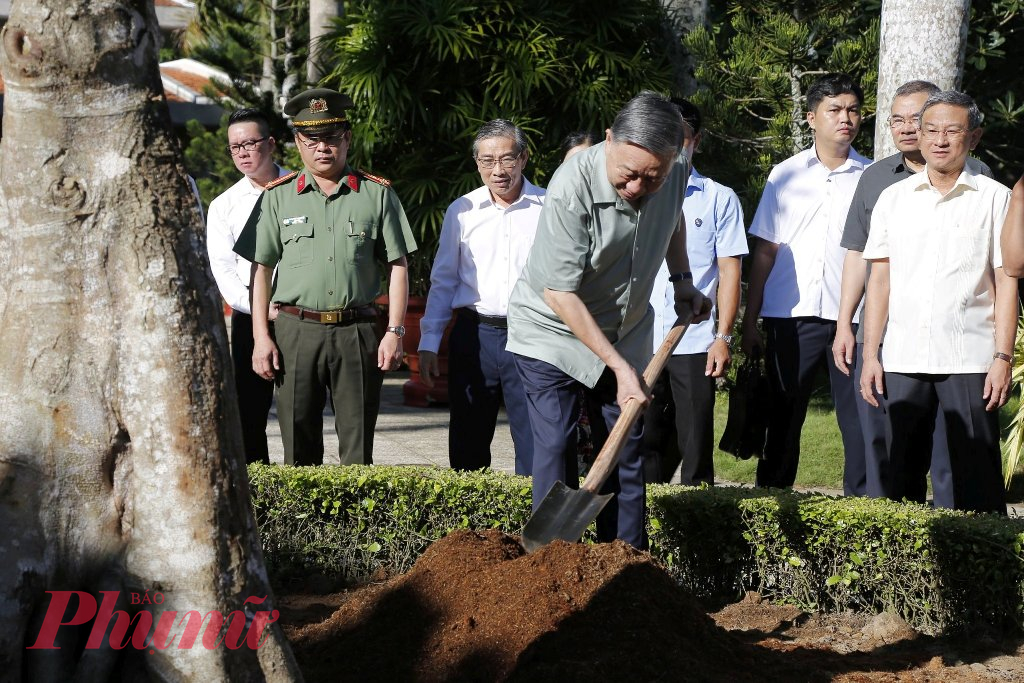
608,458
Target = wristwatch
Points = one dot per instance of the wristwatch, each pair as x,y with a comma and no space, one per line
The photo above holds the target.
727,338
678,277
399,330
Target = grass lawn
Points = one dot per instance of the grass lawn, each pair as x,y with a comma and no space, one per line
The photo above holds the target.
821,448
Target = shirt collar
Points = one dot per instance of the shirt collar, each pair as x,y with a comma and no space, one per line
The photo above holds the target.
967,179
305,181
696,180
529,193
853,160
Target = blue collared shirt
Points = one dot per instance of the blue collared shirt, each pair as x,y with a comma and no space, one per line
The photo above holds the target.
714,228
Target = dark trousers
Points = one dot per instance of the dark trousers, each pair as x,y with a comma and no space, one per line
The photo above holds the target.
679,423
972,433
795,349
254,393
927,450
316,357
553,400
480,374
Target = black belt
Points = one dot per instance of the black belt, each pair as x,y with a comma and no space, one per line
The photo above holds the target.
345,315
498,321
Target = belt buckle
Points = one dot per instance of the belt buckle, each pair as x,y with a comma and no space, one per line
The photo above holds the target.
329,317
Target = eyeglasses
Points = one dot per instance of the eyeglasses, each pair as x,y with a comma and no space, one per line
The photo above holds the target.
313,141
248,146
507,162
952,134
899,121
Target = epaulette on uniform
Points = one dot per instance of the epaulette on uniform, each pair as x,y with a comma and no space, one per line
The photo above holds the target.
375,178
279,181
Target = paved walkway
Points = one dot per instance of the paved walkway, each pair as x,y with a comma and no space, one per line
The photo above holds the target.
404,436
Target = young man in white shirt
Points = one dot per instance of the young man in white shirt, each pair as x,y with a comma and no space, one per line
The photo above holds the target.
679,424
937,277
252,150
795,279
485,239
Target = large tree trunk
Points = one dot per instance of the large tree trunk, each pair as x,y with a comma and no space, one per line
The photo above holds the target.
118,469
920,40
684,16
321,12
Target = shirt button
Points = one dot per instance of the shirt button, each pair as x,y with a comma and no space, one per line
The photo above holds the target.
330,258
329,228
330,292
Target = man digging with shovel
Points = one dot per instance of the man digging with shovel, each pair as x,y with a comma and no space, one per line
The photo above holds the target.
579,317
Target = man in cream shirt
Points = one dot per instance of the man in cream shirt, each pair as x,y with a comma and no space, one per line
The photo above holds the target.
952,311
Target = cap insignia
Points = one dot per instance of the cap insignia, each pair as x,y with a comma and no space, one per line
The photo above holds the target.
317,105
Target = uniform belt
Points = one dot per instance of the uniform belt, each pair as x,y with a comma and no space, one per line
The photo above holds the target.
345,315
498,321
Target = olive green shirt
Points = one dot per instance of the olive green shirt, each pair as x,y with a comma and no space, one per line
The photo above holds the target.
326,248
592,242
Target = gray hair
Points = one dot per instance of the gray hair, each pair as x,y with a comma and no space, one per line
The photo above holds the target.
500,128
651,121
956,99
915,87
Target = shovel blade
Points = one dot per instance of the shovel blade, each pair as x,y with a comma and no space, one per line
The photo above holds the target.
564,513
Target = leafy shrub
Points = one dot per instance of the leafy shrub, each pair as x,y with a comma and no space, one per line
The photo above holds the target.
939,570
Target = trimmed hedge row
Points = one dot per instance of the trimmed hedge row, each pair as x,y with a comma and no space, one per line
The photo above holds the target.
939,570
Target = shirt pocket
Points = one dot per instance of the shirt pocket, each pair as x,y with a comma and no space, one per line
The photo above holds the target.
967,249
361,241
297,241
700,244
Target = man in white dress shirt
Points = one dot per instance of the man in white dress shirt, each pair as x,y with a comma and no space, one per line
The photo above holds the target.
937,277
679,424
795,280
485,239
252,149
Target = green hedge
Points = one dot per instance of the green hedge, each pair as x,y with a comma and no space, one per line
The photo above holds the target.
939,570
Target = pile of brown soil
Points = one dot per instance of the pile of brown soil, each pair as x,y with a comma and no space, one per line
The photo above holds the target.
475,607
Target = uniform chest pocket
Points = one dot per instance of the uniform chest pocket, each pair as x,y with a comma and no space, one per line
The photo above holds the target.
360,242
967,248
700,243
297,240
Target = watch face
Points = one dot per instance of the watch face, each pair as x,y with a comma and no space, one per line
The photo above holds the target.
399,330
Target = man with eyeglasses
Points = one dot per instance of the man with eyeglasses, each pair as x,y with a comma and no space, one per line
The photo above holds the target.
880,478
325,228
252,151
485,239
580,321
795,275
937,278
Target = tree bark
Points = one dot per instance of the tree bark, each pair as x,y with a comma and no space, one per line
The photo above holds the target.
121,464
920,40
683,16
321,12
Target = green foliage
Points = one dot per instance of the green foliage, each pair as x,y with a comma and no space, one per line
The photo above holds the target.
349,522
425,74
995,50
939,570
753,69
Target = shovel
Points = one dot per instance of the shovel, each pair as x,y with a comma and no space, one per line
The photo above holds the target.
566,513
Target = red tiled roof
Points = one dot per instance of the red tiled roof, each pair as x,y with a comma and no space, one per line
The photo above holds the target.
189,80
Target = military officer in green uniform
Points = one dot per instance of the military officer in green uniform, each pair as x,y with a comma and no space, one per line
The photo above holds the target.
325,228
